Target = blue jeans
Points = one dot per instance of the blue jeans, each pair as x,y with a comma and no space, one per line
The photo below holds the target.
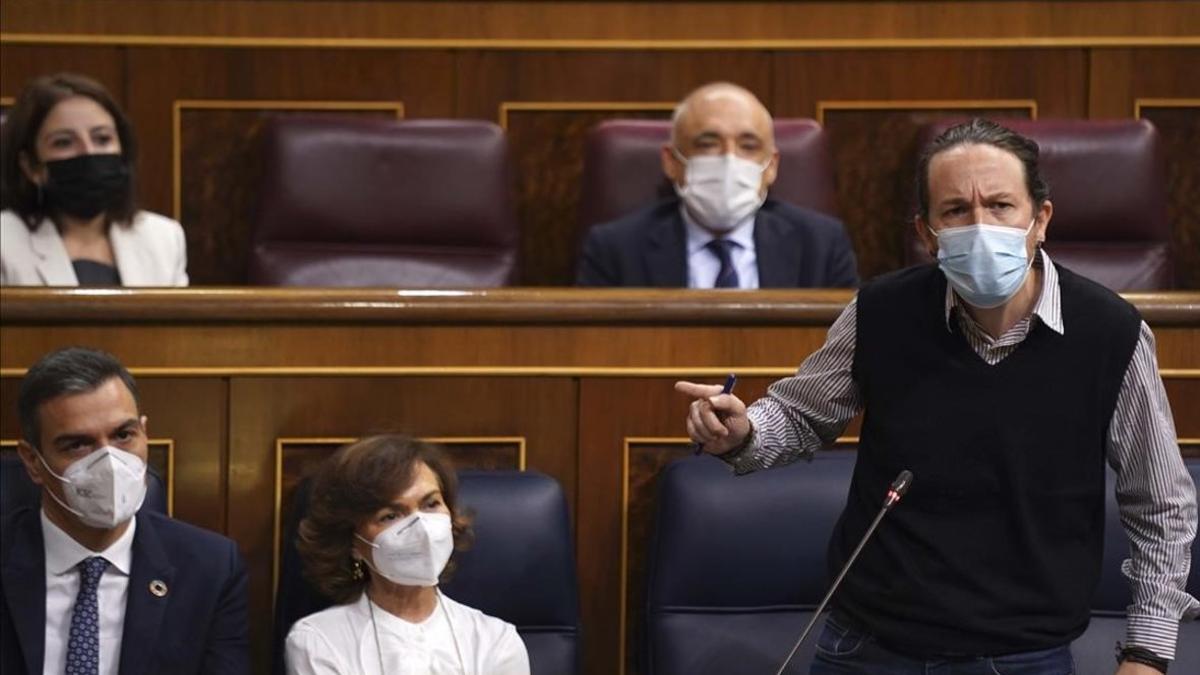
846,651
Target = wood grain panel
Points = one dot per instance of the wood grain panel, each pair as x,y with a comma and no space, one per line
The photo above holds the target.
1055,78
547,151
555,22
219,165
21,63
263,410
1183,394
1178,124
874,153
158,78
1118,77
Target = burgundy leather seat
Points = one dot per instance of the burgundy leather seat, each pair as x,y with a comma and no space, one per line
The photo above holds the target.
622,171
1108,187
367,202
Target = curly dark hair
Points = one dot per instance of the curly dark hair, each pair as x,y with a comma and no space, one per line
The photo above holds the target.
353,484
19,138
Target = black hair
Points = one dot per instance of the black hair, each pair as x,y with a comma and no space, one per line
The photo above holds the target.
74,370
981,131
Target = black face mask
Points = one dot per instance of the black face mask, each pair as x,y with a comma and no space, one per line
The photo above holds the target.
87,185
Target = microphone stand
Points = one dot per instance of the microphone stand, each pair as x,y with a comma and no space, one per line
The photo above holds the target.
897,490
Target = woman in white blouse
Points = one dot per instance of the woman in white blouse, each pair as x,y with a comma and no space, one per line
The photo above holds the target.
381,527
69,215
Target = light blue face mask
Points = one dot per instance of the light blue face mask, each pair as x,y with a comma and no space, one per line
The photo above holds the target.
986,264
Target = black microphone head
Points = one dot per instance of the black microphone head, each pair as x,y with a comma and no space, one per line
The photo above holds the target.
902,483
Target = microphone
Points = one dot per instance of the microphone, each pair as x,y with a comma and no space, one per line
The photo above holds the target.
894,493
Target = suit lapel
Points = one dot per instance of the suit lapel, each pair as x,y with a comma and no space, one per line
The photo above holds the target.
24,575
53,264
778,259
666,254
144,609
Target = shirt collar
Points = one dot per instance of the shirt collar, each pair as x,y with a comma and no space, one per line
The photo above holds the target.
1048,308
698,237
63,553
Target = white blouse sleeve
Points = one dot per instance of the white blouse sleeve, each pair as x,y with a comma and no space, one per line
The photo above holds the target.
508,654
308,652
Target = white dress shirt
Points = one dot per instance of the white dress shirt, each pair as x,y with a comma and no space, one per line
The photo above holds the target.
454,639
704,265
62,585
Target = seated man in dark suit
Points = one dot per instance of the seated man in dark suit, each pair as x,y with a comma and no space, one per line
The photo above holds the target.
90,585
721,231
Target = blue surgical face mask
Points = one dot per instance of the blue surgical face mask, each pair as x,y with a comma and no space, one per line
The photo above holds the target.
986,264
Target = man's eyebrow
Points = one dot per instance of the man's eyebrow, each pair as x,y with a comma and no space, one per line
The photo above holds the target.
953,200
63,439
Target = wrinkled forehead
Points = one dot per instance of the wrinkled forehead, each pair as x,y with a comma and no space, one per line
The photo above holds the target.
967,169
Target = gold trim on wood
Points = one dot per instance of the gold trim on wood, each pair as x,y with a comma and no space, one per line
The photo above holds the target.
1189,442
491,371
507,107
7,100
338,441
169,478
262,42
1139,103
928,104
178,106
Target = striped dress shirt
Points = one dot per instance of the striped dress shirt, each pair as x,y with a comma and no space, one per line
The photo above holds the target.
805,412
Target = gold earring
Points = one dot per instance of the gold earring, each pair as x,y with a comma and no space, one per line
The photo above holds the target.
356,570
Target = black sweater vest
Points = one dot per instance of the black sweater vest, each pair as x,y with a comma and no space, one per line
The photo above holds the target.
997,547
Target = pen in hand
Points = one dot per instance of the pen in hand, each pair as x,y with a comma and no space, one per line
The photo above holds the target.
727,389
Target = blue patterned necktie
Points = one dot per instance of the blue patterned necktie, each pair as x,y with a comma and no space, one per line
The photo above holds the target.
728,276
83,644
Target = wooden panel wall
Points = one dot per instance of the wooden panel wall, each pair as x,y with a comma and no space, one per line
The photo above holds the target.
578,387
548,71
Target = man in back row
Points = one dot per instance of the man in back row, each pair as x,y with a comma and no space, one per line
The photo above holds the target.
89,584
721,231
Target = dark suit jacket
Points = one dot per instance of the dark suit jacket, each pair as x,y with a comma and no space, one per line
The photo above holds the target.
199,626
795,247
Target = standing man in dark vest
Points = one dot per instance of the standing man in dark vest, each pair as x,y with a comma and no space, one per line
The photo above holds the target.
1004,382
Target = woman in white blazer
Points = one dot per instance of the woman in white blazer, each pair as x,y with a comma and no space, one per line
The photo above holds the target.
69,215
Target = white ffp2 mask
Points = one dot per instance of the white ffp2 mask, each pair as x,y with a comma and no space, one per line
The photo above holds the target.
414,550
721,191
104,488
